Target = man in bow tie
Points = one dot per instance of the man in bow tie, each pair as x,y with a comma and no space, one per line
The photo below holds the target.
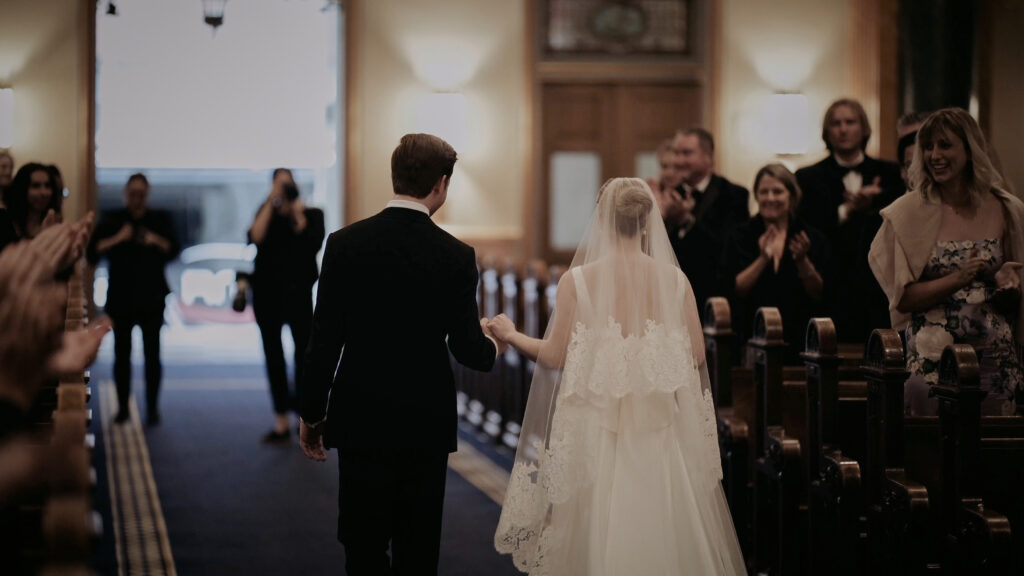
842,195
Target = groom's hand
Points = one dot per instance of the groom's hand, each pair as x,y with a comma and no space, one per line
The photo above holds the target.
311,438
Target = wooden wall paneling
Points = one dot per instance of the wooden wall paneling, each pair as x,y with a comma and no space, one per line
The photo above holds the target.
648,114
352,109
575,118
873,69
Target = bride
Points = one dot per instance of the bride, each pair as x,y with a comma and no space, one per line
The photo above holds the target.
618,470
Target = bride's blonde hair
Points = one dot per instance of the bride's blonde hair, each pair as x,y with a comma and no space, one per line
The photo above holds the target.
628,201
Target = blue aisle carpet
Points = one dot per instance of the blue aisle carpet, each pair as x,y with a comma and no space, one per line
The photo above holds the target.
235,506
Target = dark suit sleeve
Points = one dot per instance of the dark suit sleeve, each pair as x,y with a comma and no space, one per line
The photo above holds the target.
326,337
466,339
739,209
314,232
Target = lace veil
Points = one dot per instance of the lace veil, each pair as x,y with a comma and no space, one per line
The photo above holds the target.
624,347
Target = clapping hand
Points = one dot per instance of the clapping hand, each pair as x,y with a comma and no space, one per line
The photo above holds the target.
766,242
799,245
31,313
78,349
970,269
61,245
1008,276
674,207
861,200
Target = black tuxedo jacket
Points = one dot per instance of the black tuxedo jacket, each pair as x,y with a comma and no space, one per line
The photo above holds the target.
722,207
857,303
396,294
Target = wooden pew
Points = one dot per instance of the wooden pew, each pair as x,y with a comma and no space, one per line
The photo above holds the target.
779,512
977,538
734,408
932,483
834,494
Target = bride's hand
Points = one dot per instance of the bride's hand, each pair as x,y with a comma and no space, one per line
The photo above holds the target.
502,327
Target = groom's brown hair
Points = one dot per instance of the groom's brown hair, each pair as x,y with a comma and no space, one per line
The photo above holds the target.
418,162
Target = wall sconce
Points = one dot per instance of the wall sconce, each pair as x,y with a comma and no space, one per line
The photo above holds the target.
442,114
786,123
6,117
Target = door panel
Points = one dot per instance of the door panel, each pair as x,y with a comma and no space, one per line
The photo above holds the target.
600,131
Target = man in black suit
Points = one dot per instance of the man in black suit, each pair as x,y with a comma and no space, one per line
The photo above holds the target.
701,211
842,196
396,294
138,243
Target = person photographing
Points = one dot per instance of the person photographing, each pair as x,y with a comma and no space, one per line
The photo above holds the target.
287,235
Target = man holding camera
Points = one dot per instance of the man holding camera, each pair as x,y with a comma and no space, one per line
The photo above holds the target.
288,236
137,242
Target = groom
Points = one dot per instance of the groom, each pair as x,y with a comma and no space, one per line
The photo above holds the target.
396,294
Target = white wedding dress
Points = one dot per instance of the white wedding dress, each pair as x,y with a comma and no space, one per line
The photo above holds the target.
618,471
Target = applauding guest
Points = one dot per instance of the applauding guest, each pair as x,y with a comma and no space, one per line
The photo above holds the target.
138,243
947,256
842,196
31,202
32,345
775,259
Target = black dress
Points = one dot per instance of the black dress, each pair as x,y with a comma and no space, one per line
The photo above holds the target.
782,289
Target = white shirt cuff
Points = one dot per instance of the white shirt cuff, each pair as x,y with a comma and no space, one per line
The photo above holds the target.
495,342
844,212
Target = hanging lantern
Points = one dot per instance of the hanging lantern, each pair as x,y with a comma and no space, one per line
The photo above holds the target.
213,12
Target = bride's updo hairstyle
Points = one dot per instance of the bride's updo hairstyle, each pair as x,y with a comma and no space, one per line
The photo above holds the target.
627,201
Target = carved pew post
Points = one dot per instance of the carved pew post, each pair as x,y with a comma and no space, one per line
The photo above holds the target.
978,540
718,341
775,501
897,508
733,431
835,484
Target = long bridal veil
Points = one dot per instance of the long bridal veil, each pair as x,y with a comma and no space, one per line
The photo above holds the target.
618,469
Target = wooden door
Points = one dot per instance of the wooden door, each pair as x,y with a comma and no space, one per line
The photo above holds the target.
593,132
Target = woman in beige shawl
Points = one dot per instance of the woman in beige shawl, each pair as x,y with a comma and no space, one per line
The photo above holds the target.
945,256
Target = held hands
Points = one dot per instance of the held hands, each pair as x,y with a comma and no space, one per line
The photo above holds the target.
502,343
311,439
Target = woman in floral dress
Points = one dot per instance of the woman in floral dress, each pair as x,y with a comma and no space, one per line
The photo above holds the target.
946,257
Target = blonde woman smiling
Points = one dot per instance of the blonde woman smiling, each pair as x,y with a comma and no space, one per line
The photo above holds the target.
947,257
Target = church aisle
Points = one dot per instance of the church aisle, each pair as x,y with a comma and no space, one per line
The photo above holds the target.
232,505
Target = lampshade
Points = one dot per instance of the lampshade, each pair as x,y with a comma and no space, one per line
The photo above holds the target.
213,12
6,117
786,123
